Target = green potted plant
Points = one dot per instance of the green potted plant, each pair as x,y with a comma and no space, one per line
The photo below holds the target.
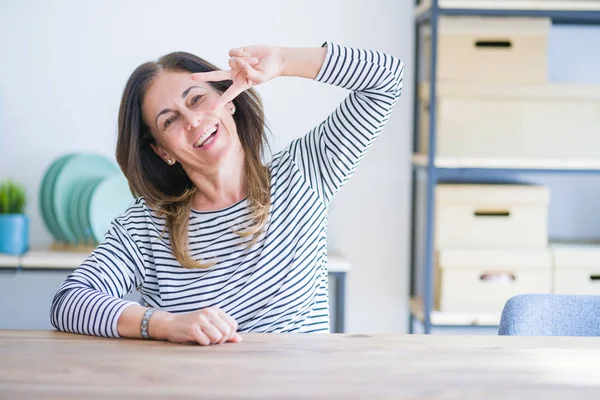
14,225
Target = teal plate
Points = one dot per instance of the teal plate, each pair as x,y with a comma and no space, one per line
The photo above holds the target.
74,203
45,197
42,195
110,199
83,209
77,168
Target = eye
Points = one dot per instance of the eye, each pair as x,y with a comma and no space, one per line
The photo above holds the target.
197,98
168,122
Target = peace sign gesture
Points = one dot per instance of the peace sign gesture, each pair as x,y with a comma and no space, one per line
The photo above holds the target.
250,66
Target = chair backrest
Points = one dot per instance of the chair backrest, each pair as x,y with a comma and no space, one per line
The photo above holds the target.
551,315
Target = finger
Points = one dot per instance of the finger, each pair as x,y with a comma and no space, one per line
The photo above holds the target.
212,76
236,62
231,93
238,52
223,327
236,338
211,331
250,72
201,337
229,320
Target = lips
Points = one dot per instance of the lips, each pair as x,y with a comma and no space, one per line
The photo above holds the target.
207,136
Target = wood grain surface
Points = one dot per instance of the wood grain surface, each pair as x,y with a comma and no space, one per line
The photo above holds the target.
52,365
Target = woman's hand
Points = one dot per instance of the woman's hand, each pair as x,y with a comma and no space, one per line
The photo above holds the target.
207,326
250,66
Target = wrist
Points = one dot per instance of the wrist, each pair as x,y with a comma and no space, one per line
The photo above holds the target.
301,62
159,323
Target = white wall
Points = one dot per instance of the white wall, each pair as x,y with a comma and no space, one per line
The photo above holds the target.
64,63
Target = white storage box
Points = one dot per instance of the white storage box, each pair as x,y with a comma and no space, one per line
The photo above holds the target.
468,280
576,269
552,121
491,216
490,49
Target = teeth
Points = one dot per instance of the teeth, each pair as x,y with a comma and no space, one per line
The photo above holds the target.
205,135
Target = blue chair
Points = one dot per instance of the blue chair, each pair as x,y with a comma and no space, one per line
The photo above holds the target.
551,315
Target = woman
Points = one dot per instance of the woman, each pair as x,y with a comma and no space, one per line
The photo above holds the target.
217,242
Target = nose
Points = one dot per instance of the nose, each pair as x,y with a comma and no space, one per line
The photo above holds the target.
192,120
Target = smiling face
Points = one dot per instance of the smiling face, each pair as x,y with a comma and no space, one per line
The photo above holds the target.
178,111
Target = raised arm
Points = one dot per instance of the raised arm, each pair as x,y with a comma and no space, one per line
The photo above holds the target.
329,154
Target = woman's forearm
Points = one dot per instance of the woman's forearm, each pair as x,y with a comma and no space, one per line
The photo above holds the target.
130,321
205,326
302,62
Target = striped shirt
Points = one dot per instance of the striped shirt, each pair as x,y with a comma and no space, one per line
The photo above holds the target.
280,283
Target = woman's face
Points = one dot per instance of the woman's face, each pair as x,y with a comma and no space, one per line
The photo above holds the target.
178,111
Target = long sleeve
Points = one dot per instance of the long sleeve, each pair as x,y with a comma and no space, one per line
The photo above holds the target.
328,155
90,300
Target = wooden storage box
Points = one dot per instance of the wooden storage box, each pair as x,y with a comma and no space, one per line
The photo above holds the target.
473,280
487,49
491,216
576,269
552,121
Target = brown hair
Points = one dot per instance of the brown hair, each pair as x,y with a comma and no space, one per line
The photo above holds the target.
168,189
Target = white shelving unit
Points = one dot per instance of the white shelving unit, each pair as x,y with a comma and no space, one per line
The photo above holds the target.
429,169
517,164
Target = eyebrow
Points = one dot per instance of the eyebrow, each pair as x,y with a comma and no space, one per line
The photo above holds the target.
166,110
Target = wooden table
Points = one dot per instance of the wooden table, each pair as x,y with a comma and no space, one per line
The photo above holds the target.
52,365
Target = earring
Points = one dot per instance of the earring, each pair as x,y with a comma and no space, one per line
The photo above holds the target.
232,110
170,161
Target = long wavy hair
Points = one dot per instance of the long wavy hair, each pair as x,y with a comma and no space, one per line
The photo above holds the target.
167,189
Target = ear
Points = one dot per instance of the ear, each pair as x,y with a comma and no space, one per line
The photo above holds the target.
231,107
162,154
